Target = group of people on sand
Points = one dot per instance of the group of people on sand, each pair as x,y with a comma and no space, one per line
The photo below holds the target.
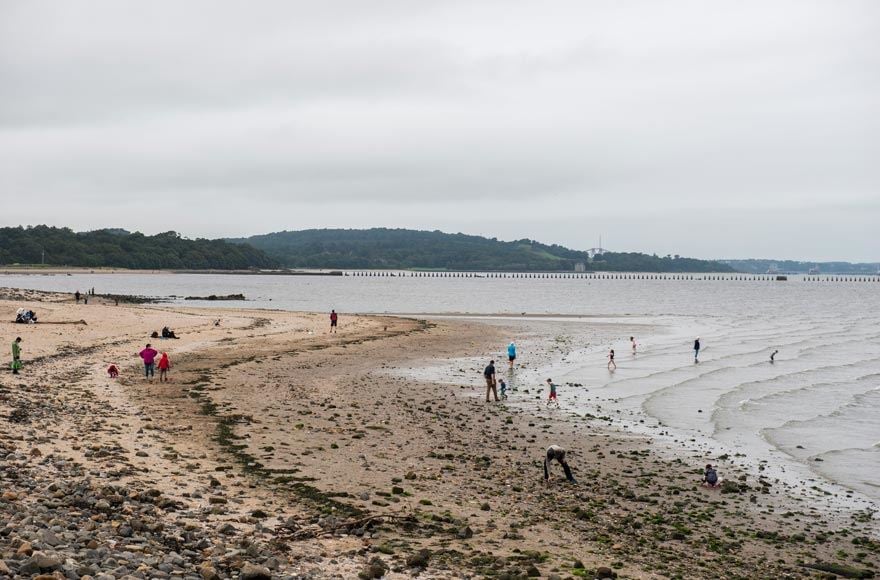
555,452
148,355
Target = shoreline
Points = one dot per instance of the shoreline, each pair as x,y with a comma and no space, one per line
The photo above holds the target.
312,435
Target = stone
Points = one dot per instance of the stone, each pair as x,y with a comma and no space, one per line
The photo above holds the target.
253,572
49,538
207,572
45,561
419,559
25,549
465,533
375,569
605,572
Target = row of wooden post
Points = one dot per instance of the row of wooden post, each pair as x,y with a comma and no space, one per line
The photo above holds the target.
608,276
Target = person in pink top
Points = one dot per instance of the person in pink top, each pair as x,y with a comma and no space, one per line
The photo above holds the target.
149,356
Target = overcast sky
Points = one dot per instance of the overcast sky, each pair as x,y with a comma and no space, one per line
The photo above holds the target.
708,129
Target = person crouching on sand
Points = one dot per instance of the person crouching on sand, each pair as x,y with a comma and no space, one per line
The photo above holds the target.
558,453
710,477
113,371
164,365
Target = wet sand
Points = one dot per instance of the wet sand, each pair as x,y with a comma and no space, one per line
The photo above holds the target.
281,447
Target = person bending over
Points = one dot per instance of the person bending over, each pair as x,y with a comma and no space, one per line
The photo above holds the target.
558,453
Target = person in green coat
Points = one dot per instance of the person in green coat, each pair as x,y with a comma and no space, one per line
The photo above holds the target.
16,355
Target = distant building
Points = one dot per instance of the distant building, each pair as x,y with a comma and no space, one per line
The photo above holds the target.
580,267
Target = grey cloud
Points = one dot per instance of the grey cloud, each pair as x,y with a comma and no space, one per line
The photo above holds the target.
492,117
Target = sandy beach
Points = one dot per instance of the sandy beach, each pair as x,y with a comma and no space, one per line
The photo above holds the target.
280,450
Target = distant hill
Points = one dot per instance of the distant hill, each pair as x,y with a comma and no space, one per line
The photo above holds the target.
756,266
382,248
116,248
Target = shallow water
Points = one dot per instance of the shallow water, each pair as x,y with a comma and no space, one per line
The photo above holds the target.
814,412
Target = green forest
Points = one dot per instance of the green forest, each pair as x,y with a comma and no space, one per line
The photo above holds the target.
378,248
382,248
121,249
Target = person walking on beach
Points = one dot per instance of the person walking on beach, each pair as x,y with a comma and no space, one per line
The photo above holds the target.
334,320
76,295
773,356
164,365
632,341
551,398
489,375
502,386
511,353
557,453
697,350
611,364
149,356
16,355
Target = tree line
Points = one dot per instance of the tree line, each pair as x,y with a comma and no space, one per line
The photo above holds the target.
111,248
382,248
378,248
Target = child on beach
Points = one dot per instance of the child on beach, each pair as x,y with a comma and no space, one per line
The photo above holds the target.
632,341
611,364
551,399
164,365
16,355
503,386
113,371
710,477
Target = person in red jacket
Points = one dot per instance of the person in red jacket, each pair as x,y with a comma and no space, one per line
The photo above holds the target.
164,365
334,319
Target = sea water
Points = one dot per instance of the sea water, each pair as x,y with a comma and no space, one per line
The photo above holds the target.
813,414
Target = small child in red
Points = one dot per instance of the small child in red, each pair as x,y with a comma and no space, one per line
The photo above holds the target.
552,400
113,371
164,365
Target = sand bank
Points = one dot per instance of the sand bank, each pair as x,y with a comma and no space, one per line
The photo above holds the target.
279,447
